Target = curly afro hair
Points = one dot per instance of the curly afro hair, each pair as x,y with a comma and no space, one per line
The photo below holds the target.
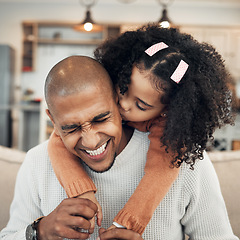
199,104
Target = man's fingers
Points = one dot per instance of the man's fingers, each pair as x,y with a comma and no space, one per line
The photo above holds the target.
81,211
79,207
99,216
74,233
71,219
80,201
91,196
79,222
84,212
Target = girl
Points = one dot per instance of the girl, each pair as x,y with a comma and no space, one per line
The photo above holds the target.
167,84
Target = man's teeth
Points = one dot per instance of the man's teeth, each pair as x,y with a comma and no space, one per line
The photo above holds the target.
97,151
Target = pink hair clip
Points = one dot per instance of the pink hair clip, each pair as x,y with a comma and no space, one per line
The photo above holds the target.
155,48
179,71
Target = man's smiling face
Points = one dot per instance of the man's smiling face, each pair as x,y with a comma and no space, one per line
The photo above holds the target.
89,124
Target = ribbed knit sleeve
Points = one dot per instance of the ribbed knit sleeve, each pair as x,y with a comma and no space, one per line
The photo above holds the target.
68,168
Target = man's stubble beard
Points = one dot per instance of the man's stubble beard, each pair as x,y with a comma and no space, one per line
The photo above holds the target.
105,170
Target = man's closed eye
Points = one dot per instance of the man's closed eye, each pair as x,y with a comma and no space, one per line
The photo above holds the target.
100,120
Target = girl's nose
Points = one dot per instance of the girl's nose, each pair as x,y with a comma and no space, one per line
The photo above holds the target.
125,104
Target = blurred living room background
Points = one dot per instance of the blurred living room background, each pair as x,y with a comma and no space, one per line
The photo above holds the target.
36,34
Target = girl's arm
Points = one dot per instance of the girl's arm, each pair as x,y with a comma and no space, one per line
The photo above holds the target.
68,169
153,187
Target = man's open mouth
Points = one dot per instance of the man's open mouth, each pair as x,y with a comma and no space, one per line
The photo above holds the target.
98,151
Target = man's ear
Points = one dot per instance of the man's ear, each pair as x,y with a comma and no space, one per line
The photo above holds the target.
54,125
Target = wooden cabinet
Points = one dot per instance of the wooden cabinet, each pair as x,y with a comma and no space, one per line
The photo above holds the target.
29,46
35,33
226,40
235,55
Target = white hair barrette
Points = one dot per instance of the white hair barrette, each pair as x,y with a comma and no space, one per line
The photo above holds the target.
181,68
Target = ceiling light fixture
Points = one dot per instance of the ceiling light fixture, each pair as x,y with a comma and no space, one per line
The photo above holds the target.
88,24
164,21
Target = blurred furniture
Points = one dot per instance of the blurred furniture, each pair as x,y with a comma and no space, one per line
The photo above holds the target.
226,40
10,161
6,93
60,33
228,137
227,165
28,135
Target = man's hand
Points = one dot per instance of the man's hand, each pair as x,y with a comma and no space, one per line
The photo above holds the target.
91,196
118,234
71,219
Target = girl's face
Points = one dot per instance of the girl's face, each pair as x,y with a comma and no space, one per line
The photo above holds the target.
141,102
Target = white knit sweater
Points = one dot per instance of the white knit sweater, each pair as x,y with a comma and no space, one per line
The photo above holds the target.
193,206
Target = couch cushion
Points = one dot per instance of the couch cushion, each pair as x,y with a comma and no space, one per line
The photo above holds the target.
10,161
227,166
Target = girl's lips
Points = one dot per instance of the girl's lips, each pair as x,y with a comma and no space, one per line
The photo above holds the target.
122,116
121,111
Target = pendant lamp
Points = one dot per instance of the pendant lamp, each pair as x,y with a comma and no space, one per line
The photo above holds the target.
88,25
164,21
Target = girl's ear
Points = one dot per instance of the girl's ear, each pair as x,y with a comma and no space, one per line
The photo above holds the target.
164,112
54,125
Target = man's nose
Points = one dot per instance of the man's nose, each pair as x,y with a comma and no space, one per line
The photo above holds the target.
90,139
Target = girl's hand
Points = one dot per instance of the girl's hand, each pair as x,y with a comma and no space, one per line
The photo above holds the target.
111,227
91,196
118,234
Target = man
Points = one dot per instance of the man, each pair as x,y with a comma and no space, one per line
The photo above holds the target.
83,108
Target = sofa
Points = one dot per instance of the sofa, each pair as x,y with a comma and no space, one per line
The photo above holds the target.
227,165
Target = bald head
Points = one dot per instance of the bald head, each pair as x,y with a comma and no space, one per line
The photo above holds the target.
74,74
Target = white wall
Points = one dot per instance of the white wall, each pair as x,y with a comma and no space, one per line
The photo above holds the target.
12,13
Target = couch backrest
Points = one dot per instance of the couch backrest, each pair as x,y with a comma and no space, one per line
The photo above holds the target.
227,166
10,161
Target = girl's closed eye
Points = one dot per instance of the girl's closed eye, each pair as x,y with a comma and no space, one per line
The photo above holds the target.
140,107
